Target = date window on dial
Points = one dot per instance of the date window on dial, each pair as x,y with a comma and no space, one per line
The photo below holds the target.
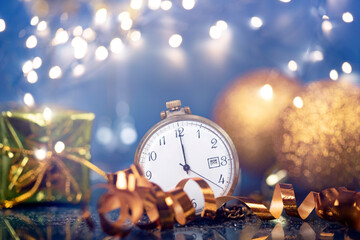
213,162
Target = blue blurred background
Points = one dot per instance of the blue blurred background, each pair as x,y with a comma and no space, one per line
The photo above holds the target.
123,60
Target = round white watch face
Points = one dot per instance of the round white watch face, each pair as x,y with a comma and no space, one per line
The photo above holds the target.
186,149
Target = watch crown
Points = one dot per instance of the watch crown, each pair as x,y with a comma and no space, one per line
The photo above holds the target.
173,105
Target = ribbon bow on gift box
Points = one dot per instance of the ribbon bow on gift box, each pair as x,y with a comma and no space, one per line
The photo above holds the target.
40,151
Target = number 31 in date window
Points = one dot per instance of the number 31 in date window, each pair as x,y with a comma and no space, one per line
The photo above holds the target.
213,162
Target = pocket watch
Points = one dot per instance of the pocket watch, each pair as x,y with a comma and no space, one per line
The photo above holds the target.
183,145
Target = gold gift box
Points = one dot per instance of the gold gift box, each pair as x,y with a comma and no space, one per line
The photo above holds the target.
43,156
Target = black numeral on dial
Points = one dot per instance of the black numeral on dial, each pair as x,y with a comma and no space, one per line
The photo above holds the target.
213,142
162,140
148,175
223,161
179,132
221,179
152,156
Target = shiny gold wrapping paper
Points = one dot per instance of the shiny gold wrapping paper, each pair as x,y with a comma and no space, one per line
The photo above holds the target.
43,156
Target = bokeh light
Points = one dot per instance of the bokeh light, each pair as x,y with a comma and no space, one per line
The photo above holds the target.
256,22
188,4
31,42
36,63
298,102
2,25
347,17
29,100
292,65
32,77
266,92
101,16
55,72
334,75
346,67
175,40
116,45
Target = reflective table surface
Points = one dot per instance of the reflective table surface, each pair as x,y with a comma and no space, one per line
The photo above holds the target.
65,222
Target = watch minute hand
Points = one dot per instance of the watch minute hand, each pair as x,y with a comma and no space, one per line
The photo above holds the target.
202,176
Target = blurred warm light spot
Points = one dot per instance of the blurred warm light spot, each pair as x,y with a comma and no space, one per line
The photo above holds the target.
121,181
215,32
135,36
61,37
101,16
292,65
285,1
123,15
47,114
27,67
334,75
346,67
316,56
79,70
154,4
31,42
36,62
29,100
55,72
298,102
101,53
188,4
42,26
175,40
136,4
40,154
78,30
166,5
126,24
2,25
222,25
128,135
116,45
326,26
34,20
32,77
59,147
256,22
325,17
80,47
347,17
169,201
266,92
89,34
275,178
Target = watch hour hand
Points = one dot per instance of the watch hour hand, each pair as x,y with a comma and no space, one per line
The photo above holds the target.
186,167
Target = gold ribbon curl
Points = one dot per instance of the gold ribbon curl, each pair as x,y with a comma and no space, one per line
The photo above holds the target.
165,208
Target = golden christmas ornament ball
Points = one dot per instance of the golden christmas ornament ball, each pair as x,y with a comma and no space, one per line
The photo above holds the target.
319,139
248,110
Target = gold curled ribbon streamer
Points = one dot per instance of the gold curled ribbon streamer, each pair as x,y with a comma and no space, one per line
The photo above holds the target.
164,208
283,199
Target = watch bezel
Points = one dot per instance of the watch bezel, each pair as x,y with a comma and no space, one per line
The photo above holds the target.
191,117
